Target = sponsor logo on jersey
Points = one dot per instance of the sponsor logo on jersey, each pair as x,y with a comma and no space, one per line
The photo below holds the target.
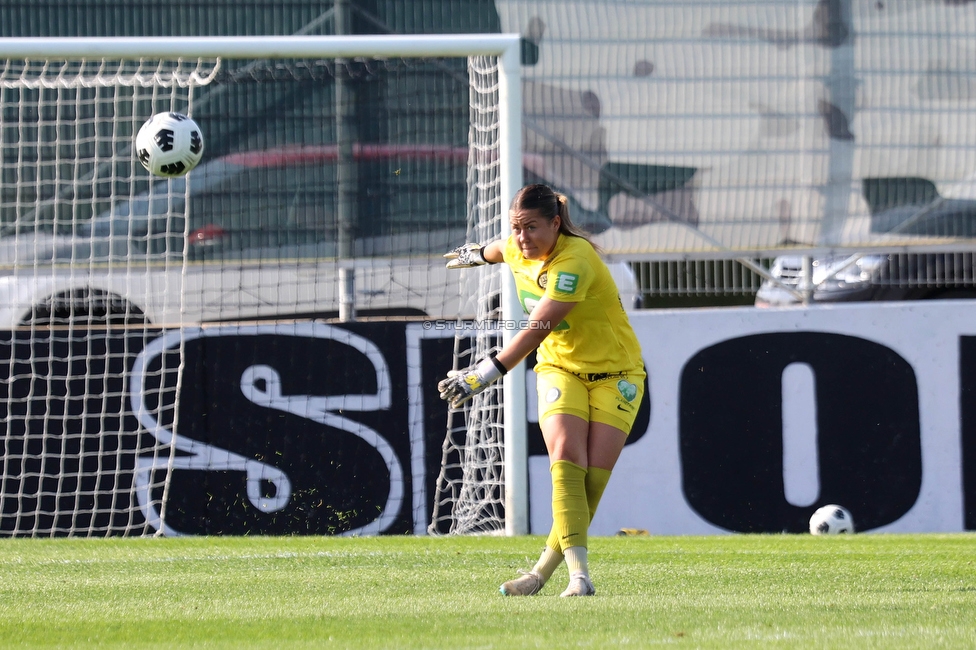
529,301
566,282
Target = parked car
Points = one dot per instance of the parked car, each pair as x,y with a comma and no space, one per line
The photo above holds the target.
901,209
262,244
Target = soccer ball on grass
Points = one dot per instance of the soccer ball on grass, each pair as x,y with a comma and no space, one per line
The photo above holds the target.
169,144
831,520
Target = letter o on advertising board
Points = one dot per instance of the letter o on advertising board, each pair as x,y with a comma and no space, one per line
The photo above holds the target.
731,430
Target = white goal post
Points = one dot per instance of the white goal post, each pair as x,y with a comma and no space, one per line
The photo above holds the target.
108,64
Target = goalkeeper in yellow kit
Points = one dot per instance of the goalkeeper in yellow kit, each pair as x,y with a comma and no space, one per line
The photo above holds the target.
590,375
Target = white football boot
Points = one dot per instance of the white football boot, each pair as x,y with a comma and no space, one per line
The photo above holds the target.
579,585
528,584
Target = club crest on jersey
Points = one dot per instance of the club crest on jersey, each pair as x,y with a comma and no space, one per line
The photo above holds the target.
627,390
543,280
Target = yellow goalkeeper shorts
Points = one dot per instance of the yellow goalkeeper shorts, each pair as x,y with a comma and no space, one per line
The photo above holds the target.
611,398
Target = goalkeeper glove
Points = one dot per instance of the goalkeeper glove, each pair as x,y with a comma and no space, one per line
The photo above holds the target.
462,385
466,256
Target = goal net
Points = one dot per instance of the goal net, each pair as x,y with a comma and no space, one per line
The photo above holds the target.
335,175
470,493
76,288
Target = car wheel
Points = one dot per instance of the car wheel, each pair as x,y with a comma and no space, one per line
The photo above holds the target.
86,307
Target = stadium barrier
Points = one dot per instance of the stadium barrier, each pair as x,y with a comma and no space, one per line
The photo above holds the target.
755,418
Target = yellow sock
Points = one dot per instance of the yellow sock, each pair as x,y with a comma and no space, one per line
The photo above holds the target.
570,513
596,482
553,540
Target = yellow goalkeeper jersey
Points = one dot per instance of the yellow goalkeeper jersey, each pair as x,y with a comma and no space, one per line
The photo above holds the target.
596,335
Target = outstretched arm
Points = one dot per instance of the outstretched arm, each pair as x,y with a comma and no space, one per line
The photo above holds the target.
545,317
460,386
493,252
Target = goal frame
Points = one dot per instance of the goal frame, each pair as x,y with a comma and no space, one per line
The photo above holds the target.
506,47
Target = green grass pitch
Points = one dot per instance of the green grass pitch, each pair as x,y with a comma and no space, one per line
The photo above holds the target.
737,591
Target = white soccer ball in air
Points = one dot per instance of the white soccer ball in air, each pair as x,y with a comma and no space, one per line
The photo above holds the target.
169,144
831,520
